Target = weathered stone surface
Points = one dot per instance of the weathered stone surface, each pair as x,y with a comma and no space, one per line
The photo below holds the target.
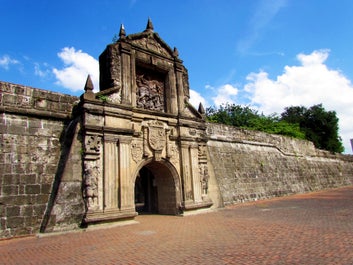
66,161
253,165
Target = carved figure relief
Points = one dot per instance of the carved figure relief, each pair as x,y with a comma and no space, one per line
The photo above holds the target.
204,178
91,174
149,93
203,168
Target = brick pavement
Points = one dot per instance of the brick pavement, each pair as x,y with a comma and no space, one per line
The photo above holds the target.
315,228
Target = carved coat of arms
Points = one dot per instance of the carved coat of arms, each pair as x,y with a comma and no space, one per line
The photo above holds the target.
156,138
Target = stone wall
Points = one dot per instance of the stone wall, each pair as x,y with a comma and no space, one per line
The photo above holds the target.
41,163
32,133
251,165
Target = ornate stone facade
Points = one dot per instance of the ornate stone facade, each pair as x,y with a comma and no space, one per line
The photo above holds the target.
144,143
66,162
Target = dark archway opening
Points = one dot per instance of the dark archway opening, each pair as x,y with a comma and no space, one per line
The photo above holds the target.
155,190
146,193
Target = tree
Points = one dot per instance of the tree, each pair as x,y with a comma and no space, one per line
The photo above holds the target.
314,124
320,126
245,117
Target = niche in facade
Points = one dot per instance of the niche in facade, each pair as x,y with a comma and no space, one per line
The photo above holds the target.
150,89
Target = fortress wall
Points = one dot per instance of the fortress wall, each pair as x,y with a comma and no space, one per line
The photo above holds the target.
41,163
251,165
32,132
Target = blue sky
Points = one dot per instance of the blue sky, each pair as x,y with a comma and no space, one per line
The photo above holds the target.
269,54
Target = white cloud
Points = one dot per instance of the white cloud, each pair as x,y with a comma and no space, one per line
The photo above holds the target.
196,99
308,84
39,71
225,94
6,61
77,65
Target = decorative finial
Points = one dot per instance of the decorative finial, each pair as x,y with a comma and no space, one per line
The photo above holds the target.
89,85
122,33
175,52
201,109
149,26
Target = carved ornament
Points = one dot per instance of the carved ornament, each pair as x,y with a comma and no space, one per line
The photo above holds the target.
156,136
150,93
136,151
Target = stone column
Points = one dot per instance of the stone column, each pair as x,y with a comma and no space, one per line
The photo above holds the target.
180,87
126,185
196,181
173,104
133,79
186,172
126,73
111,177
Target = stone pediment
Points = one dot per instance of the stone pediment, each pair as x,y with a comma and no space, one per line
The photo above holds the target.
150,41
191,112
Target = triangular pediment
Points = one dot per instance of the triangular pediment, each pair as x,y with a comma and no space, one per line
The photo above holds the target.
150,41
191,112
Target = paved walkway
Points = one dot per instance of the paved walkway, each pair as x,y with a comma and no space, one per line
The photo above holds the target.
315,228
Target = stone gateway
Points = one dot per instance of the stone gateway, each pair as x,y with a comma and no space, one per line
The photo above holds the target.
141,136
138,146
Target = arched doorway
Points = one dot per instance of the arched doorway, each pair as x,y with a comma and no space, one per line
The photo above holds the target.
157,189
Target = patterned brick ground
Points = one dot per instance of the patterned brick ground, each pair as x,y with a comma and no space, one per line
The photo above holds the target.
315,228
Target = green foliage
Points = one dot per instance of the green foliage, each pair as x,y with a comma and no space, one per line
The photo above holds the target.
245,117
314,124
104,98
320,126
231,114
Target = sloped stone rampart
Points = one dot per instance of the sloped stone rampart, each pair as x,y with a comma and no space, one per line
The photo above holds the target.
251,165
32,132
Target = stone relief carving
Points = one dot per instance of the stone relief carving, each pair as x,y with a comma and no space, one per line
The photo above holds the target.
203,168
153,45
156,138
136,151
92,144
150,93
91,171
202,152
174,153
204,178
91,175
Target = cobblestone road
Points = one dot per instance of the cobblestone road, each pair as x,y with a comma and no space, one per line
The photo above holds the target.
315,228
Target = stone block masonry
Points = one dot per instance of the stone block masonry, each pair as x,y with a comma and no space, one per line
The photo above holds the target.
251,165
32,122
41,167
